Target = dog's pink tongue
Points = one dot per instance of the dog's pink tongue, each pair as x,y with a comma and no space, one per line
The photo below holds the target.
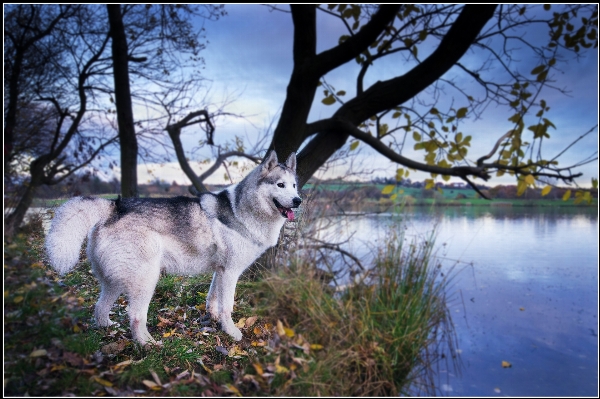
290,214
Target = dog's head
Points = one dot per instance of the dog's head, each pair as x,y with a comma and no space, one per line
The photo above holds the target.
282,184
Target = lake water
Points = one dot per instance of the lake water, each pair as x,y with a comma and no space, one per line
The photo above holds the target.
526,293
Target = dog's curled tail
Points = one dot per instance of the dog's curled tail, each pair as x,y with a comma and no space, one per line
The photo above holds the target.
71,224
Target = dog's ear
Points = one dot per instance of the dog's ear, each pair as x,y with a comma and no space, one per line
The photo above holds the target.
269,163
291,162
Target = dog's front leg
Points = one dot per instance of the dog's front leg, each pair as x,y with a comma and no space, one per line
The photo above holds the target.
226,283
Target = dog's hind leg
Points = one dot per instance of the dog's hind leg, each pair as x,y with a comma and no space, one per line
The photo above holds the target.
108,295
140,296
212,298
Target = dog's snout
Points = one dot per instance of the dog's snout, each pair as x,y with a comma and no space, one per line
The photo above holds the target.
297,201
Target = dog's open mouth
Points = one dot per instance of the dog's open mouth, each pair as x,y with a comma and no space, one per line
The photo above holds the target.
285,212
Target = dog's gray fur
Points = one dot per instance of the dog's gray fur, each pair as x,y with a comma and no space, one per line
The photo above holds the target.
131,240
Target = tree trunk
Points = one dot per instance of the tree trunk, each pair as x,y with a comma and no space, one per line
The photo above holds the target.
14,220
127,139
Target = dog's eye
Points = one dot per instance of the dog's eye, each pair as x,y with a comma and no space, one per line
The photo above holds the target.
280,185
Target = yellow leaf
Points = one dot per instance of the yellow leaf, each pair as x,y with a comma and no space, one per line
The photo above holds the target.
258,368
529,180
281,369
76,328
6,294
316,347
289,332
233,389
506,364
416,136
567,195
280,329
102,381
546,190
38,353
258,343
428,184
257,331
18,299
241,323
388,189
353,145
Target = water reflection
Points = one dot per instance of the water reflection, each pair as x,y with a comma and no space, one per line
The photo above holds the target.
530,296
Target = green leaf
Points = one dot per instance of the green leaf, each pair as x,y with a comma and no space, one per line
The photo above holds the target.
353,145
388,189
416,136
462,112
434,111
538,69
399,174
521,187
340,93
328,100
458,138
546,190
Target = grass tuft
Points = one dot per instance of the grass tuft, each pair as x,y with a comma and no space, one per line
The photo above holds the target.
380,336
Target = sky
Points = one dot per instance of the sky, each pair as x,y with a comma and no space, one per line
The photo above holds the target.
249,59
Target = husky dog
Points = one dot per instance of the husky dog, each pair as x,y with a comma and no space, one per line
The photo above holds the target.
131,240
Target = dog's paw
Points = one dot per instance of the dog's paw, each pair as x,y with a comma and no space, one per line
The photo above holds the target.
153,344
232,330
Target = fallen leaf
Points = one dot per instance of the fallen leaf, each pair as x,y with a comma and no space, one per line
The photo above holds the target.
506,364
289,332
124,364
222,350
38,353
114,348
257,331
241,323
316,347
280,329
151,384
155,376
233,389
18,299
279,369
102,382
258,368
258,343
237,351
250,321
